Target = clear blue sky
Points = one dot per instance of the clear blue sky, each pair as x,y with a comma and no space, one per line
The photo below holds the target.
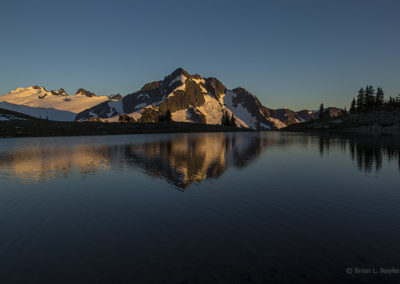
289,53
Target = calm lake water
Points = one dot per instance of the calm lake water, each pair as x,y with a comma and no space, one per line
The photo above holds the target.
199,208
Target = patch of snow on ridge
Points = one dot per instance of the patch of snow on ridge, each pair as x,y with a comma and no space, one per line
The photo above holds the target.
181,87
279,124
93,114
180,116
239,111
221,99
115,118
116,105
135,115
159,102
201,82
189,115
142,96
139,106
265,126
181,78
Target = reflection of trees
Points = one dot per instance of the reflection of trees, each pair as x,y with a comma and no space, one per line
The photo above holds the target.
367,151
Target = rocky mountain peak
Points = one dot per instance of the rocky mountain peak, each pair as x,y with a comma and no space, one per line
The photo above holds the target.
176,78
60,92
179,71
241,91
150,86
84,92
115,97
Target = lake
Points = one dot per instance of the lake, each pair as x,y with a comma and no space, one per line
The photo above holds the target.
198,208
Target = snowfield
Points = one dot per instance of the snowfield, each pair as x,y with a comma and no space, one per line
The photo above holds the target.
39,112
278,124
40,103
181,116
246,119
211,110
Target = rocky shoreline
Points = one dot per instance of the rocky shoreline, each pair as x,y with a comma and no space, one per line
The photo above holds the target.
384,121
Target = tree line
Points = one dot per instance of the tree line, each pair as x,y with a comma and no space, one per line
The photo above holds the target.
228,120
368,98
324,113
165,117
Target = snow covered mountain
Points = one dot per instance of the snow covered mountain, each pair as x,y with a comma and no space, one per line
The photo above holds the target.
192,98
55,105
189,98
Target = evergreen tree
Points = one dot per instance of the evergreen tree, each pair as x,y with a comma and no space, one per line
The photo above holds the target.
168,116
379,98
321,111
353,106
369,96
224,118
327,114
361,99
232,121
228,120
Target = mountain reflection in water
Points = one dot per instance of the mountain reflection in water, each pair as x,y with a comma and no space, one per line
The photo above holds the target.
181,159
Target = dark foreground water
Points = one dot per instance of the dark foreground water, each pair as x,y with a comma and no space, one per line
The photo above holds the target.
200,208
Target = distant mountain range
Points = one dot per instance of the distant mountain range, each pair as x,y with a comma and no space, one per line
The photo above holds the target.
189,98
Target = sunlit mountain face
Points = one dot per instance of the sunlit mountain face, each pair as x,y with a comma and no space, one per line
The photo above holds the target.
180,159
